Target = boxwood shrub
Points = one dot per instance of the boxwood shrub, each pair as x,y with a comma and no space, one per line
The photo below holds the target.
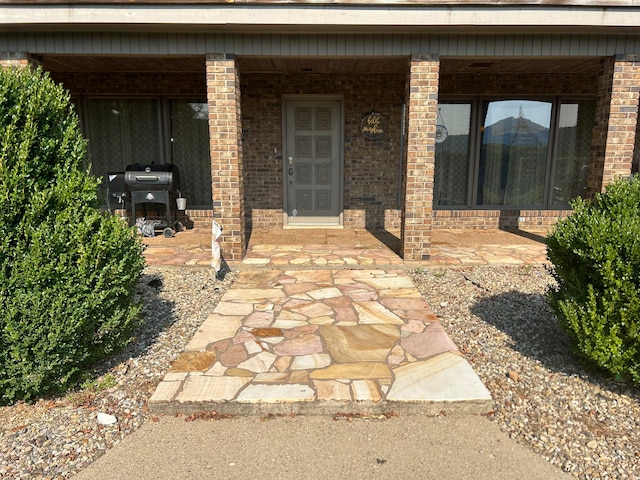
595,256
67,270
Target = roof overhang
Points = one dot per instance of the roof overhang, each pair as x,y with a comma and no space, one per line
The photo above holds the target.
321,18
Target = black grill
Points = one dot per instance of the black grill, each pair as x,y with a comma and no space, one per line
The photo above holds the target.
152,184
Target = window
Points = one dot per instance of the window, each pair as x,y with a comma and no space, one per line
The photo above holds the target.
513,152
509,161
190,150
573,151
152,130
452,154
123,131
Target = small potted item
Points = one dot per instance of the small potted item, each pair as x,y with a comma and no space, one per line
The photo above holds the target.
182,202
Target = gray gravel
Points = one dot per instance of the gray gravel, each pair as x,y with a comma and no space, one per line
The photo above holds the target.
579,420
576,418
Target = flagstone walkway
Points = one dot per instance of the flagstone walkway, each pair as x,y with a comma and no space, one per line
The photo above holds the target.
326,321
321,341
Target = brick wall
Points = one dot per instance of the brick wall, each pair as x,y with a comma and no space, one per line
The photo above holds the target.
372,167
371,181
225,131
623,117
599,139
492,219
617,121
422,108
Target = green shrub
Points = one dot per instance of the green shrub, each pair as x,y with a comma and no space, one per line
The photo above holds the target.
67,271
595,255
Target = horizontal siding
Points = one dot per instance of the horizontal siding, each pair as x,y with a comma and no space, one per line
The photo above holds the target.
132,43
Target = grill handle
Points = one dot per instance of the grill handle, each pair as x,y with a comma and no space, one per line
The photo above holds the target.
147,178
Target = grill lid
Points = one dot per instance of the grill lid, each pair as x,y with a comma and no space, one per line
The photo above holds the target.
161,176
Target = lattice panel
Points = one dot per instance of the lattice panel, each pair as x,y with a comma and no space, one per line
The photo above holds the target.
303,174
102,142
323,119
303,146
323,147
303,119
143,132
323,200
303,200
323,174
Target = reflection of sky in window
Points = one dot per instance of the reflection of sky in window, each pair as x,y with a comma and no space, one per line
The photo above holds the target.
569,115
455,117
537,112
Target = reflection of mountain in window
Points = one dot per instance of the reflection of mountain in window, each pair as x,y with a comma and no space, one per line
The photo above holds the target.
513,153
527,161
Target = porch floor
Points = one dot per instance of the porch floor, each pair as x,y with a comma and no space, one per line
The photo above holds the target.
334,247
327,321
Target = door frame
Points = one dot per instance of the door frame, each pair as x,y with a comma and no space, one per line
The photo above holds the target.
311,224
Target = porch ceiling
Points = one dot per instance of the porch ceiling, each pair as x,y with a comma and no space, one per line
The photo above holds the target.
565,65
121,64
317,65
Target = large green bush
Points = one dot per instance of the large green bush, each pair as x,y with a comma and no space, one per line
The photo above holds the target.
67,271
595,255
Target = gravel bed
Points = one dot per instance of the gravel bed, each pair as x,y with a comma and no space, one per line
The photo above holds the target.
56,437
579,419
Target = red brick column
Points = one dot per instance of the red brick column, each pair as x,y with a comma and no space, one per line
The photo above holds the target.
225,137
17,59
422,111
617,117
